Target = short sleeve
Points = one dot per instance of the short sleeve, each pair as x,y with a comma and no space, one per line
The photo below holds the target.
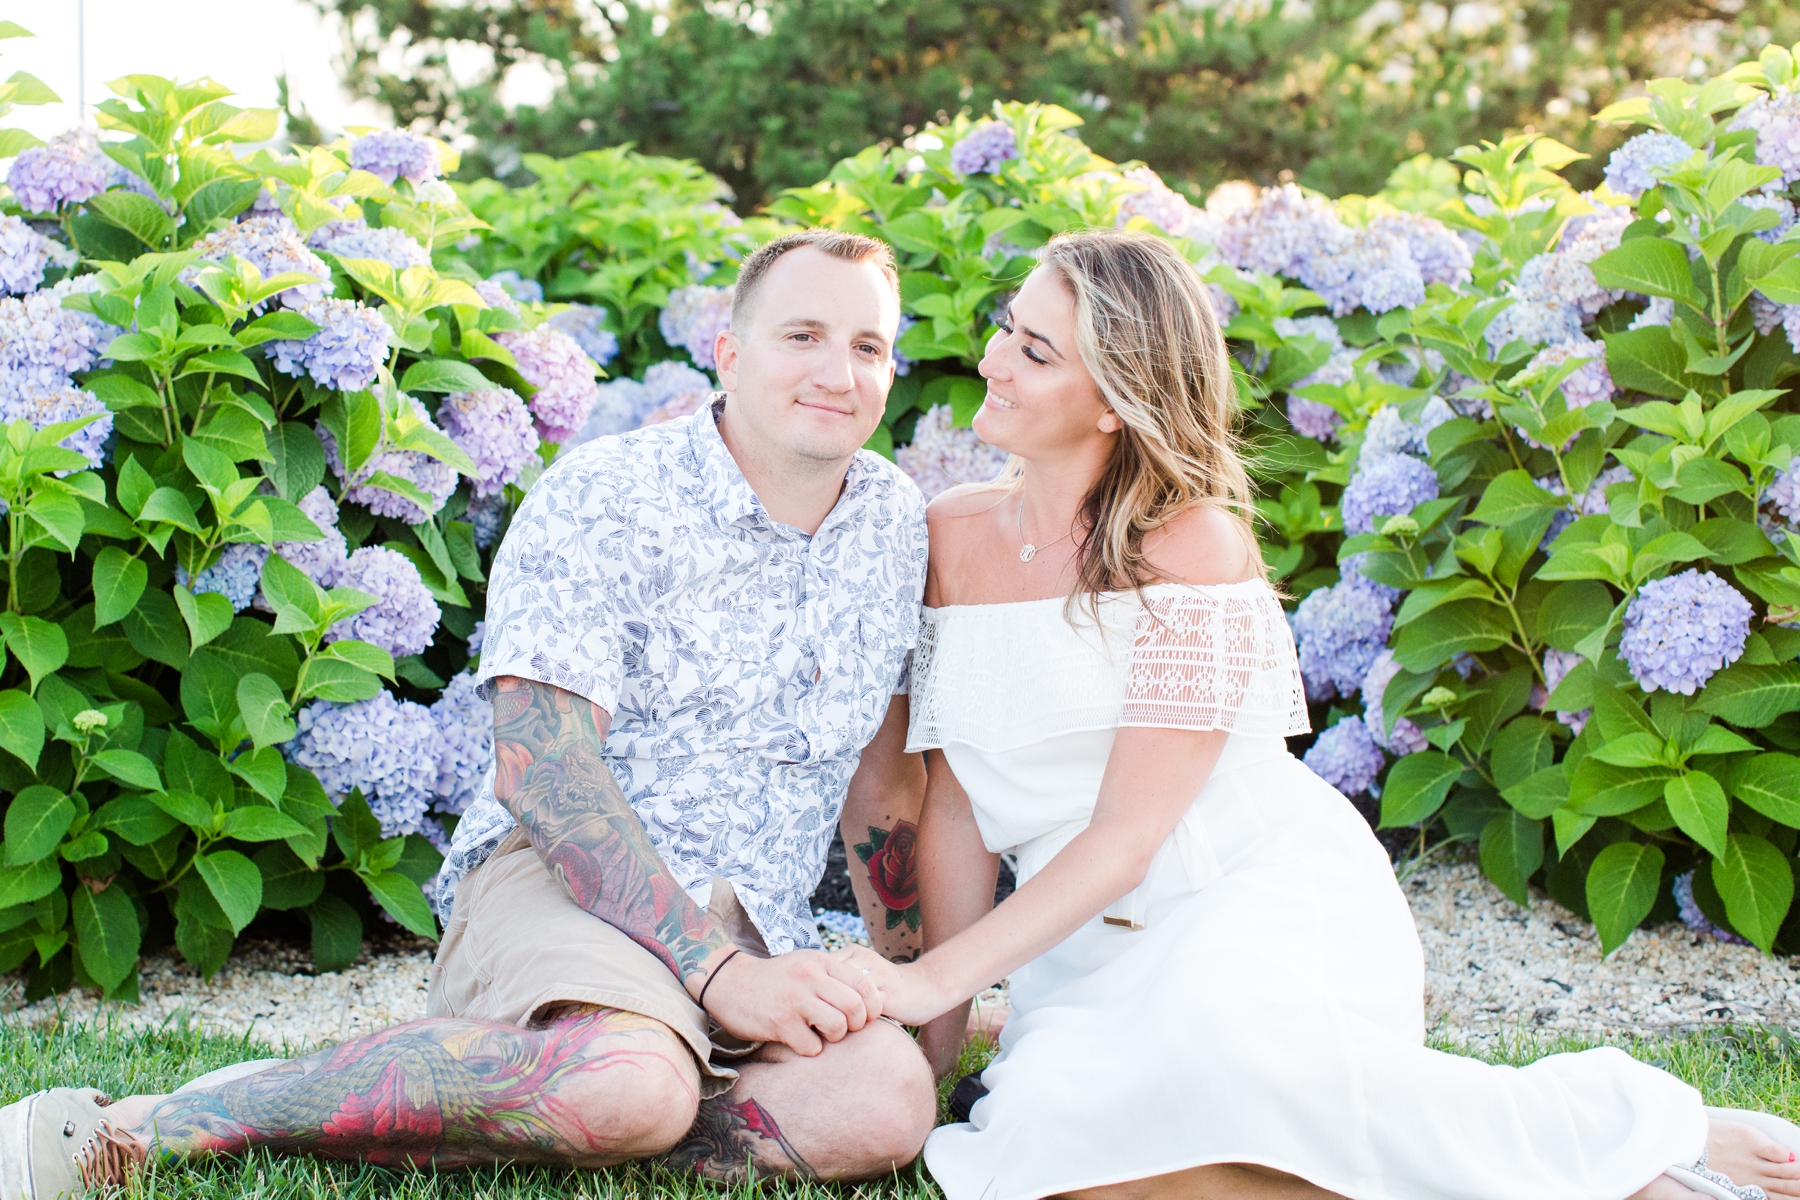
552,614
1215,658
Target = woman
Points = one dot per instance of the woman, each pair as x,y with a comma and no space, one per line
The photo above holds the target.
1216,983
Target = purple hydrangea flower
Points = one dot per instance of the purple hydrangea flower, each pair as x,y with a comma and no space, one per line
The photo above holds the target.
358,239
322,561
1438,254
983,149
1406,737
1351,567
1313,419
1339,630
392,154
1277,233
24,253
1557,665
404,616
1776,120
1157,203
674,389
1346,756
66,170
272,245
1533,321
42,343
485,514
1783,493
553,363
526,291
1389,433
1631,169
346,353
1692,915
1781,206
1586,383
494,428
619,405
693,320
477,636
587,325
237,575
465,745
1368,267
939,457
436,479
45,406
496,296
1387,487
385,747
1682,629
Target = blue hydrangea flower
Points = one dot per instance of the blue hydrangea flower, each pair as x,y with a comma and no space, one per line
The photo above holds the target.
619,405
1557,665
45,406
404,616
322,561
358,239
1783,493
1631,169
1339,630
1682,629
384,746
272,245
1386,488
1389,433
902,364
345,354
494,428
527,291
941,456
1368,267
66,170
674,389
1313,418
1346,757
983,149
1587,504
1277,233
1351,567
1776,120
495,294
485,514
1406,737
477,636
1682,888
1437,253
693,320
24,253
586,323
465,724
391,154
42,343
1781,206
237,575
554,363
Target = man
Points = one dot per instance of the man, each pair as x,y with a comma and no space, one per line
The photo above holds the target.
693,633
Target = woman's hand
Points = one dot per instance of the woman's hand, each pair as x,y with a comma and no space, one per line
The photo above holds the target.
909,994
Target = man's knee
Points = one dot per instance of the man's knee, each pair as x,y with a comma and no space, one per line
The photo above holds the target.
901,1099
631,1098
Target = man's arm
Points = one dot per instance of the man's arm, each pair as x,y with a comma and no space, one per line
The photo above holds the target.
550,772
881,830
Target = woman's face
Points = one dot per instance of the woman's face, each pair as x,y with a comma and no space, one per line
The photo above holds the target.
1041,401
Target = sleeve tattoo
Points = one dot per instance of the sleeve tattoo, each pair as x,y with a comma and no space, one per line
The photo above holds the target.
549,770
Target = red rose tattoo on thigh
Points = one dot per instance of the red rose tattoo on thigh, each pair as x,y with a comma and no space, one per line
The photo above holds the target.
892,859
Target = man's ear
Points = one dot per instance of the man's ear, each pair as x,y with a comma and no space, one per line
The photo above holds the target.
725,352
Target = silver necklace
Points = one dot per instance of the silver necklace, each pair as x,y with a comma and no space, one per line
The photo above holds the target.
1027,551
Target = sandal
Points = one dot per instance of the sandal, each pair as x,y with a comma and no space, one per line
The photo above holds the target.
1712,1183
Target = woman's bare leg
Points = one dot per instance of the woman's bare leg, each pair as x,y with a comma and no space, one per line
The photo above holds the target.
1216,1181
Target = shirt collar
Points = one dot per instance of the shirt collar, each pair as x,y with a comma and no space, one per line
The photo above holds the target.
732,497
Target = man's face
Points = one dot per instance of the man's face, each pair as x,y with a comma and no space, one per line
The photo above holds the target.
809,377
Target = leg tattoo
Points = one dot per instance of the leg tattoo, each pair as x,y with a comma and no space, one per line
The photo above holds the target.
728,1140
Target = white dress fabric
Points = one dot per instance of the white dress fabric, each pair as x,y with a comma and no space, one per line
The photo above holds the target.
1270,1008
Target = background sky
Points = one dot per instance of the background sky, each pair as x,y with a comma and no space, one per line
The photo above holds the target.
243,44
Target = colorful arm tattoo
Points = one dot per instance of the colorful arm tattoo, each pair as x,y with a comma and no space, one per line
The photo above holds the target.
551,772
730,1137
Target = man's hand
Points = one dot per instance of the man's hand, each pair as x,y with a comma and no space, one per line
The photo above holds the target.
909,991
802,999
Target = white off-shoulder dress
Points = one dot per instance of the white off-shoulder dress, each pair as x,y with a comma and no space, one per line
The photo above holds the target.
1259,999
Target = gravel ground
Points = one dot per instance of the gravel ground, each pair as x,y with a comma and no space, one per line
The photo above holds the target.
1490,968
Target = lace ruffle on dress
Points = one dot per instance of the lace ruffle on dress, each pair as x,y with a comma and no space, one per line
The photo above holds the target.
1259,997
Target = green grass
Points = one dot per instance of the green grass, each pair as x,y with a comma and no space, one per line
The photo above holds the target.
1739,1068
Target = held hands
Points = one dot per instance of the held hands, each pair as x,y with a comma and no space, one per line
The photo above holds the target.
802,999
908,993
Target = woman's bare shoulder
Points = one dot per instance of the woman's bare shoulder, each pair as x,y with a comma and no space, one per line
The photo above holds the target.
1203,546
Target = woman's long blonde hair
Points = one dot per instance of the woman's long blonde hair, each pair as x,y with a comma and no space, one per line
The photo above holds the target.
1146,331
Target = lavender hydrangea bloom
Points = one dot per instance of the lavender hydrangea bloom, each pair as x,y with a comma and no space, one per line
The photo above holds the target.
1406,737
465,725
385,747
237,575
404,616
528,291
358,239
983,149
939,457
496,296
902,364
1313,419
1437,253
1682,629
1368,267
553,363
1533,321
1387,487
1351,567
1790,324
1589,503
693,320
322,560
1557,665
1339,630
1389,433
485,514
494,428
66,170
1346,756
1661,310
45,406
1783,492
392,154
42,343
1776,120
1682,888
477,636
587,325
1277,233
1781,206
1587,383
1157,203
24,252
272,245
436,479
1630,170
346,353
674,389
619,405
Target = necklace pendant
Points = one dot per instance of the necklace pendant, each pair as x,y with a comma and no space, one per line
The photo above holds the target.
1027,552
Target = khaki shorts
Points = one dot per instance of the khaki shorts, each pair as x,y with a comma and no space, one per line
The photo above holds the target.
519,951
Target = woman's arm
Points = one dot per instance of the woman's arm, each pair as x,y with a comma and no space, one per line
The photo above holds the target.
956,889
1152,777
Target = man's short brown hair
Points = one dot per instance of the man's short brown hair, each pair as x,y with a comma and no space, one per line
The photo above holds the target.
851,247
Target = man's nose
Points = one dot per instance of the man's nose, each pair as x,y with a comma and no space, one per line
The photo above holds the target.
834,372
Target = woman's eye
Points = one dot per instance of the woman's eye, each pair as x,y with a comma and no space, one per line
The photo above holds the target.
1033,356
1003,323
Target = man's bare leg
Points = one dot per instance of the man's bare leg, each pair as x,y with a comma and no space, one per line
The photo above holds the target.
589,1090
859,1110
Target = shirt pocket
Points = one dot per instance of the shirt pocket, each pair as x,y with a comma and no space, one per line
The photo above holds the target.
708,650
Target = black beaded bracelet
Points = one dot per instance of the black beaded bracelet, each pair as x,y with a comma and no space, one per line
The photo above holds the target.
715,974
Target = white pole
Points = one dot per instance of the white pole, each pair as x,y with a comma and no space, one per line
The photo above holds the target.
81,62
